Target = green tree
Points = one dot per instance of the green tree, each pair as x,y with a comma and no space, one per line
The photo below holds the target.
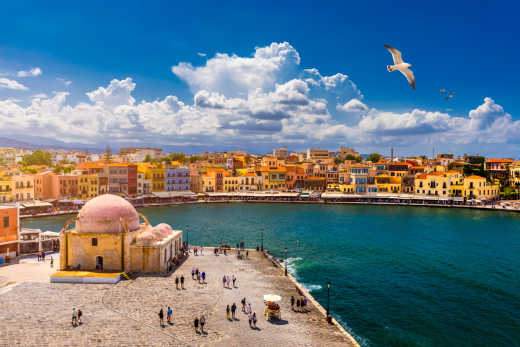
338,161
195,158
147,159
374,157
354,158
38,157
177,157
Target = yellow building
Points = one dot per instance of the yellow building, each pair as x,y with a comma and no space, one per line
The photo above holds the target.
388,184
87,186
231,183
436,183
514,174
6,189
273,177
477,187
155,173
213,179
108,236
23,187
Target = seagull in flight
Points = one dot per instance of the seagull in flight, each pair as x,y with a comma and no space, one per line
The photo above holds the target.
450,95
400,65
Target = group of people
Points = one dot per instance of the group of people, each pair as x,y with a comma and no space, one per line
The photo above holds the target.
301,303
226,281
169,316
199,276
231,313
179,281
76,317
41,256
199,321
242,255
197,250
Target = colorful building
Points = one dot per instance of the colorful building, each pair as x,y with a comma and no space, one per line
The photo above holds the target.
9,231
477,187
436,183
23,187
177,178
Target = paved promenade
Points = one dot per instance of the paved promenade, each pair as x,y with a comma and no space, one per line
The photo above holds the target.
38,313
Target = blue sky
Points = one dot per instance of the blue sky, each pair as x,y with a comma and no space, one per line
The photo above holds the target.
123,54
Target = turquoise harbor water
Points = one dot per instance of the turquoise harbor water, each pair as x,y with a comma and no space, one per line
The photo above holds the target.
401,276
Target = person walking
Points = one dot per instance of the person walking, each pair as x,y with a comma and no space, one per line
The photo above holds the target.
193,273
234,281
198,277
224,281
177,282
74,317
304,302
39,256
182,281
228,280
254,319
243,301
250,319
169,313
227,311
52,261
79,317
196,324
298,304
233,310
43,256
161,317
292,302
249,310
202,322
247,254
203,277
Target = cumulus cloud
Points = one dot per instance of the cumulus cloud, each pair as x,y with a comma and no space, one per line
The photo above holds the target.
30,73
11,84
264,99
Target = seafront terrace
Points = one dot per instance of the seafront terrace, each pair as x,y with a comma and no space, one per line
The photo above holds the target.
126,313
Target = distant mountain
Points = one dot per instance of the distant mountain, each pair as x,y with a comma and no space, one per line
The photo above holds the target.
46,144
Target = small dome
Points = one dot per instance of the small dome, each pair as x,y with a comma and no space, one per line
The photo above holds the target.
102,215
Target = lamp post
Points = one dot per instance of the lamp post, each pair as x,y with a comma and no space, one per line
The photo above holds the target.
262,247
285,261
328,299
188,234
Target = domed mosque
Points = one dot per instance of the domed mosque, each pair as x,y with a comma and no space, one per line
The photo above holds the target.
108,235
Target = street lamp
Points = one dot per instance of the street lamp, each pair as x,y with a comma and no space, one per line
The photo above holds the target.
328,299
262,248
188,234
285,261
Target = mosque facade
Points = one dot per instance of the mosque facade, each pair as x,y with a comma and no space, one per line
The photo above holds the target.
109,235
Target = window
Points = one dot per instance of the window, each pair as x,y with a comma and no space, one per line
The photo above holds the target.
6,221
94,242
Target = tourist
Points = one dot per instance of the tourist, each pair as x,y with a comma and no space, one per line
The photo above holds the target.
247,254
292,302
250,319
161,317
169,313
298,304
43,256
224,281
305,302
202,322
234,281
243,301
177,282
228,280
182,281
227,311
79,316
193,273
74,317
201,251
233,310
254,319
196,324
203,277
198,277
249,310
197,272
39,256
52,261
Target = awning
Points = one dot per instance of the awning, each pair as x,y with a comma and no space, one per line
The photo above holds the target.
177,194
36,204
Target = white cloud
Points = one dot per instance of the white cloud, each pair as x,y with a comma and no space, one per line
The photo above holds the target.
251,102
352,106
202,54
11,84
30,73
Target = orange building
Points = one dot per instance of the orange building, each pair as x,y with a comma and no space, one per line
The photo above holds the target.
9,222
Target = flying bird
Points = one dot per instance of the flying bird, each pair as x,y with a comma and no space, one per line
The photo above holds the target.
400,65
443,90
450,95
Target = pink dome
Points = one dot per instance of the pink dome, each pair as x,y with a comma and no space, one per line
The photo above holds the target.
102,215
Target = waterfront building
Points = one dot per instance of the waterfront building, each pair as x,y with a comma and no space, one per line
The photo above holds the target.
363,178
213,179
122,179
43,185
248,181
273,177
398,169
499,169
231,184
294,177
87,186
436,183
6,188
196,183
477,187
388,184
144,185
9,231
314,183
23,187
177,178
514,174
155,173
107,235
